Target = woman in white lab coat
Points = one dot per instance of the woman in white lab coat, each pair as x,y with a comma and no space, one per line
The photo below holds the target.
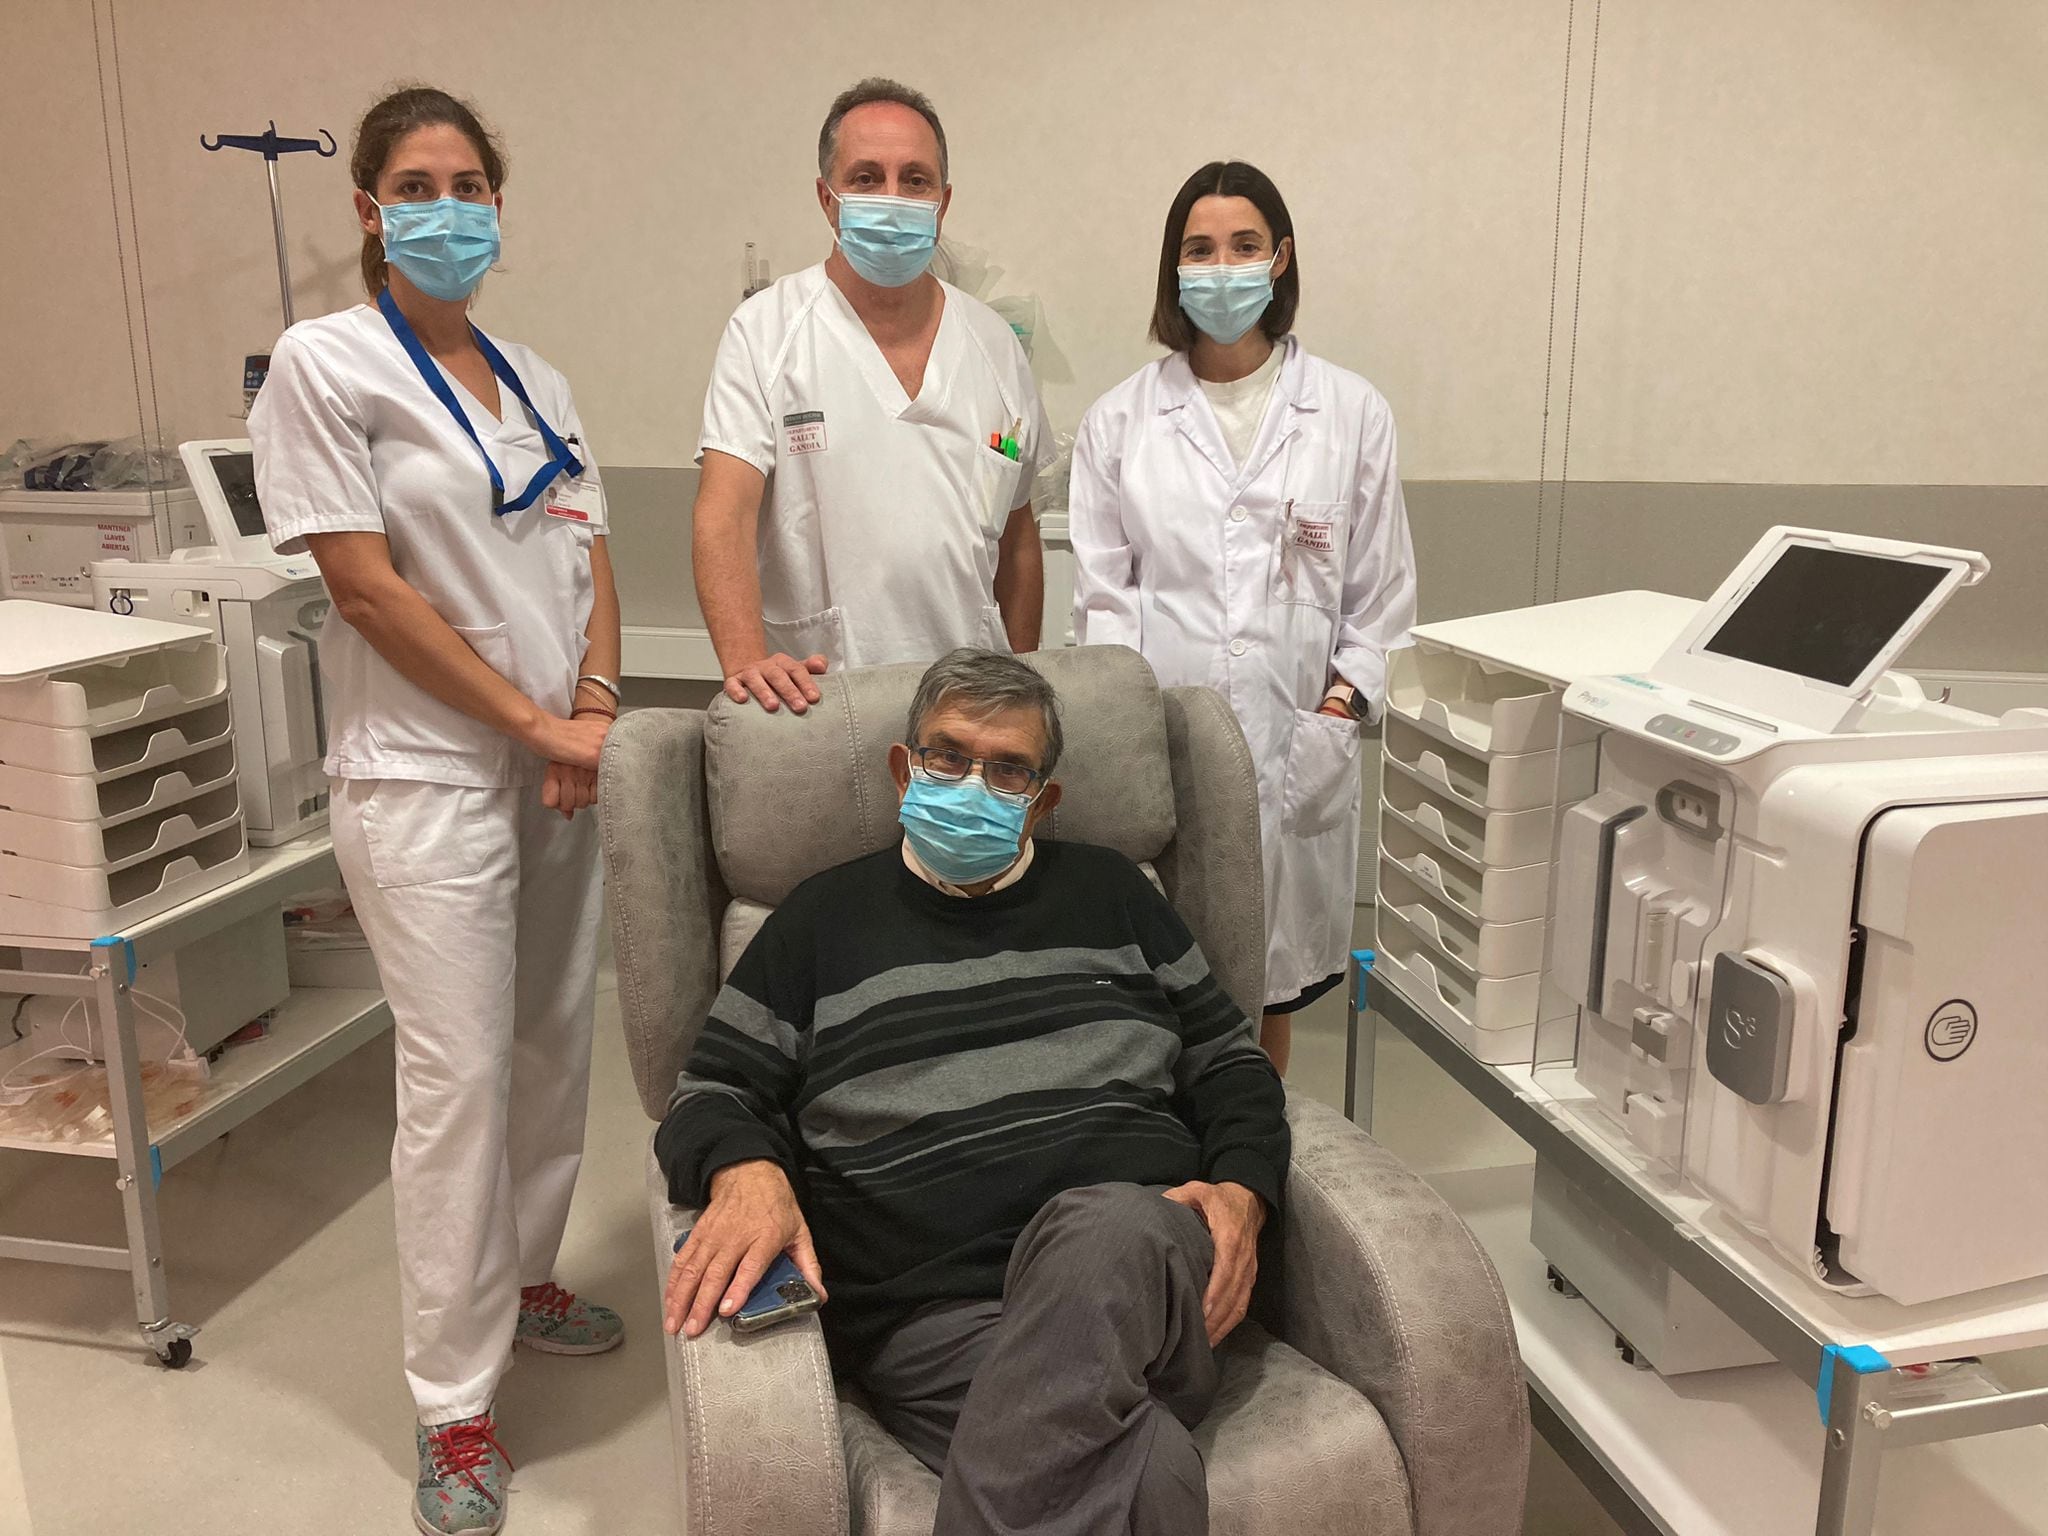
1237,519
440,480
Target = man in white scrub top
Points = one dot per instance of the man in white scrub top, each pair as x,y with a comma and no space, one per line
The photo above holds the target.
870,438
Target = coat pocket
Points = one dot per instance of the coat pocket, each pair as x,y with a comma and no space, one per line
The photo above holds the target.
1322,773
1309,569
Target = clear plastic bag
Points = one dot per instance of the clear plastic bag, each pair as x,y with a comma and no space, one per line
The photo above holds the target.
1049,490
126,463
69,1103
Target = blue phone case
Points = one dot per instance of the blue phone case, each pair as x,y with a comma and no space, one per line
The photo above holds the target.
782,1294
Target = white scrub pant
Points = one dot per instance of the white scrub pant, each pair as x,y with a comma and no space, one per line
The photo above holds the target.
481,907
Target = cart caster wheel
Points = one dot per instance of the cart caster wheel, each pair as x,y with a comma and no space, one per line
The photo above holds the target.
1628,1354
1559,1284
176,1355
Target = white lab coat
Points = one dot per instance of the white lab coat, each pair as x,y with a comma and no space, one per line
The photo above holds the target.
481,906
1265,581
881,521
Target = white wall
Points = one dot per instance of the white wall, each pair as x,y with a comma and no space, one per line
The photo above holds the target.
1814,242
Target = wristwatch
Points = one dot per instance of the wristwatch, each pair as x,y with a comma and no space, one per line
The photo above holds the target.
1345,697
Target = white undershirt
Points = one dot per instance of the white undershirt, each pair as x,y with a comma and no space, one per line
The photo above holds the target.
1240,405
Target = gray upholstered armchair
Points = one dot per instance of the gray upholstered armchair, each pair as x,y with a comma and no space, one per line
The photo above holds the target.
1382,1394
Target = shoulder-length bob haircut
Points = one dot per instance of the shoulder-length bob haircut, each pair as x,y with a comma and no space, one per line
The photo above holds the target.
1171,328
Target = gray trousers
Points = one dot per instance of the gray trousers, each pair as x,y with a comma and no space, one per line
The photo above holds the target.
1064,1408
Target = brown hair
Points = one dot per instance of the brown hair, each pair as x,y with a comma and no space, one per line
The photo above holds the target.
390,120
877,88
1171,327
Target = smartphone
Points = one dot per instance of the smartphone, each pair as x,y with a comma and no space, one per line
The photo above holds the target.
782,1294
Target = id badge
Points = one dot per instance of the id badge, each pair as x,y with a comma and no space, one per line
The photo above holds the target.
579,500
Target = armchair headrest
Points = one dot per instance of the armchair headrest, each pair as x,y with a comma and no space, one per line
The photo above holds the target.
791,795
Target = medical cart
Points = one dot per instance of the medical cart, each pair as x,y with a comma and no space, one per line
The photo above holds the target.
1802,1444
315,1028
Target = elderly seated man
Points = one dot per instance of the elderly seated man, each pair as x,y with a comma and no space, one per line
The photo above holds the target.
986,1089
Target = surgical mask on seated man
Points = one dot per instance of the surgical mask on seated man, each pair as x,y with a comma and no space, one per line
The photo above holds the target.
962,831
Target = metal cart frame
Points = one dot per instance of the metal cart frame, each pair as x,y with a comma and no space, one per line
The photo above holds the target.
1852,1381
347,1020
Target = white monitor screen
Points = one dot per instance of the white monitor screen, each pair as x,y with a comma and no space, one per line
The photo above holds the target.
237,475
1824,613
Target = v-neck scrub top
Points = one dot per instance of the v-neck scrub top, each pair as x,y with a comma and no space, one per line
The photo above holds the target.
882,517
348,438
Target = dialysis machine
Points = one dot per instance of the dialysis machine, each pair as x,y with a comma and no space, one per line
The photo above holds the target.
268,610
1804,918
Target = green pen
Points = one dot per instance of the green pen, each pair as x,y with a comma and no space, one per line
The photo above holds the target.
1010,449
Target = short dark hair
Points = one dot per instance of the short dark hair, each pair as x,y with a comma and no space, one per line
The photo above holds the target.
1171,327
406,109
877,88
984,683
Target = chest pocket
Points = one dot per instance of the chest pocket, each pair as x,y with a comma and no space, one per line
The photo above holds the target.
1308,567
994,489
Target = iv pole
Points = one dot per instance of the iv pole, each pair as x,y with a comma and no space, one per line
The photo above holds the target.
270,146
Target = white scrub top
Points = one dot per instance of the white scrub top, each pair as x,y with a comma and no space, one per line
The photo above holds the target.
881,520
1265,579
348,438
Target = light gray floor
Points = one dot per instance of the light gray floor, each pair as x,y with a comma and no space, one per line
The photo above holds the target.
294,1416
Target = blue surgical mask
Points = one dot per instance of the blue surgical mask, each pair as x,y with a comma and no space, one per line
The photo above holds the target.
1226,301
888,240
445,247
962,831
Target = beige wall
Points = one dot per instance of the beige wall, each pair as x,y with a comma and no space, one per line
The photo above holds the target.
1814,247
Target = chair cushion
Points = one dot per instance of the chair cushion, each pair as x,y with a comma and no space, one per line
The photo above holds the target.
742,920
1290,1449
824,775
891,1493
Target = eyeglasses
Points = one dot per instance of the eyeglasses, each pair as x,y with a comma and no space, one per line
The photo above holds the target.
1005,778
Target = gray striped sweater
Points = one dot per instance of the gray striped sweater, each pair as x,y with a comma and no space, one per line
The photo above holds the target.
931,1069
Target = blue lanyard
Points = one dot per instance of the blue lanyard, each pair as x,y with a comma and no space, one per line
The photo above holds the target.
560,460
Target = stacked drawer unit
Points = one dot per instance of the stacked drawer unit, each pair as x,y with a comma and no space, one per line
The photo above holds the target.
118,793
1471,778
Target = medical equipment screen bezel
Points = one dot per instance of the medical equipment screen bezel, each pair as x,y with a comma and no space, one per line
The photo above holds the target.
1789,696
234,546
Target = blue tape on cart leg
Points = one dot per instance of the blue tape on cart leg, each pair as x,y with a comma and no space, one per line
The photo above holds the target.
156,1167
1860,1358
1363,959
127,948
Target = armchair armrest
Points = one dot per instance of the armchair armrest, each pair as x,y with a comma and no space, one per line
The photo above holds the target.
663,890
1385,1288
756,1419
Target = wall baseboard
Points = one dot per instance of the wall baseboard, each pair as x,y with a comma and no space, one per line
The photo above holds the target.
652,650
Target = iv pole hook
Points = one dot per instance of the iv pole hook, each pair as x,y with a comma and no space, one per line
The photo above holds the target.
270,145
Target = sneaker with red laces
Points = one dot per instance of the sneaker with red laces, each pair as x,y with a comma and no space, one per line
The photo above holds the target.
464,1478
559,1322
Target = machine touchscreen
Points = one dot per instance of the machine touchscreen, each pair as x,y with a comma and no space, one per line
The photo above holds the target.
1825,614
237,475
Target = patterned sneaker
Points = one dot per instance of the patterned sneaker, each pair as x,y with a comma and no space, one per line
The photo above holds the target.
464,1474
558,1322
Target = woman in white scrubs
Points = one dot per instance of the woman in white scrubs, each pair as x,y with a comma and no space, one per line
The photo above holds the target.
1237,519
439,478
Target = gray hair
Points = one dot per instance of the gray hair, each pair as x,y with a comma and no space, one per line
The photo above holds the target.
984,683
877,88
